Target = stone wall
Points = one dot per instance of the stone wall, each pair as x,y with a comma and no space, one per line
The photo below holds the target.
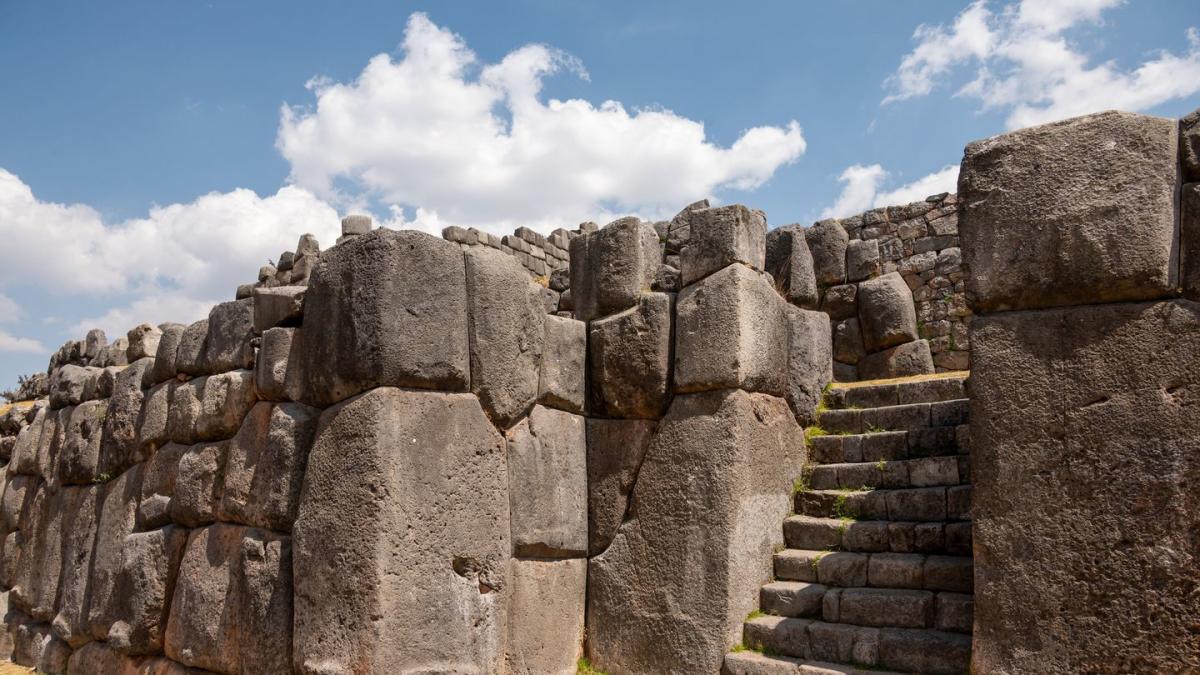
1085,431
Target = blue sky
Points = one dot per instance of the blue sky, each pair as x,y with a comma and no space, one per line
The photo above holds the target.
152,155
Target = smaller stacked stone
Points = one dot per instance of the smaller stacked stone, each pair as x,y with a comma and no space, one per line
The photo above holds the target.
538,253
295,267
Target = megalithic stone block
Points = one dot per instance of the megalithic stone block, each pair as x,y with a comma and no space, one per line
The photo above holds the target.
230,329
278,306
185,409
118,516
731,332
545,616
630,359
828,241
154,416
70,624
143,342
158,486
146,582
506,331
886,313
79,454
910,358
671,592
615,449
120,448
190,352
265,465
561,383
721,236
679,230
847,341
393,308
1074,212
163,367
226,400
1189,239
612,267
791,264
810,361
1189,146
71,385
547,483
422,576
199,480
272,363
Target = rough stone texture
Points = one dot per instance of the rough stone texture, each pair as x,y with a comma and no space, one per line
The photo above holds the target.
615,449
545,616
506,334
199,480
153,419
630,359
79,451
862,259
118,515
232,607
810,361
227,345
98,657
394,312
190,352
790,262
278,306
886,314
1085,447
827,241
679,230
561,383
612,267
547,484
1189,146
70,384
163,367
271,365
421,577
265,465
722,236
120,448
70,624
1042,227
731,332
158,486
226,400
848,342
1189,235
145,584
143,342
184,411
669,595
911,358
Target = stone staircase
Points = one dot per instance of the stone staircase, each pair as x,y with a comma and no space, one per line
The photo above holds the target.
877,572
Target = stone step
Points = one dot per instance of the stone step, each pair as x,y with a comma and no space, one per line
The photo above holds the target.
848,569
904,473
877,536
906,417
903,649
890,445
929,504
756,663
877,607
886,393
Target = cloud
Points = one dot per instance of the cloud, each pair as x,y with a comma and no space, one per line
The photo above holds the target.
11,343
456,141
1024,63
9,309
861,189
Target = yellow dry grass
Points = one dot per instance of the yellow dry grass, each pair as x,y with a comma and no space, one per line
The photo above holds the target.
898,380
9,668
4,408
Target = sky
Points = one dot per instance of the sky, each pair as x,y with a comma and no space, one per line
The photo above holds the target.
154,155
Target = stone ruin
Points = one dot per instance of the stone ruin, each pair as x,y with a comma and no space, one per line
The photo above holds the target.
660,447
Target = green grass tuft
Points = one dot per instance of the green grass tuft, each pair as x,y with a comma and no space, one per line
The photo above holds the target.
585,667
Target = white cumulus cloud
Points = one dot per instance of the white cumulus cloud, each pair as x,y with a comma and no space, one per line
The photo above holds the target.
456,141
12,343
1024,62
861,189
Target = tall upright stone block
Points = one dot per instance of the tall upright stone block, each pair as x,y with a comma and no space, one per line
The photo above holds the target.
422,577
545,616
562,380
394,312
612,267
828,241
722,236
1074,212
615,450
227,344
791,264
886,313
630,359
810,361
547,484
265,465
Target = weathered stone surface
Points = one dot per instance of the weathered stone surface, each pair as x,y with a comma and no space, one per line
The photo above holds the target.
356,224
810,361
41,566
93,343
158,486
615,449
265,466
71,385
145,585
70,624
199,480
827,241
185,408
670,594
79,451
910,358
271,365
731,332
791,264
1074,212
143,342
1189,240
278,306
886,312
226,400
862,259
118,515
18,493
612,267
53,659
98,657
1189,146
227,345
679,230
847,341
190,352
840,302
50,445
153,418
547,484
630,359
421,577
121,448
232,607
1085,451
29,639
394,312
561,383
506,331
545,616
722,236
25,451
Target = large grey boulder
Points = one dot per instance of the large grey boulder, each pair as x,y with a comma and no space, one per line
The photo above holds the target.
722,236
118,516
1084,454
163,367
226,400
227,345
421,578
810,361
1189,240
561,382
158,486
271,366
848,342
506,331
185,408
1074,212
886,313
143,342
671,592
791,264
190,351
1189,146
70,624
120,448
630,359
731,332
679,230
862,259
98,657
827,240
199,480
145,585
72,385
615,449
278,306
79,450
152,421
910,358
265,465
393,308
547,484
545,616
612,267
95,341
